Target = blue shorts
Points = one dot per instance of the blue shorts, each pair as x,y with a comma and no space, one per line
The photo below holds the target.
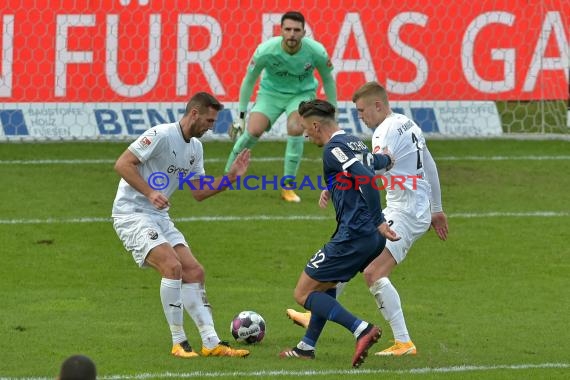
341,259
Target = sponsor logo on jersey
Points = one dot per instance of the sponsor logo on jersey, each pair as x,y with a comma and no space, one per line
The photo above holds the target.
144,142
173,169
339,154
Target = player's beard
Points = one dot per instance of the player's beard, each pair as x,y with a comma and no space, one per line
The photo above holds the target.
292,43
199,128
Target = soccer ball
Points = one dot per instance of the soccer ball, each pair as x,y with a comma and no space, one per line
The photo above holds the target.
248,327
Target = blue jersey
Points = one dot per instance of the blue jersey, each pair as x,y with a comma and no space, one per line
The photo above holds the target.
348,168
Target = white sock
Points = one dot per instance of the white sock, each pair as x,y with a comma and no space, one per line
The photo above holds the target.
361,327
197,306
172,307
340,288
304,346
388,302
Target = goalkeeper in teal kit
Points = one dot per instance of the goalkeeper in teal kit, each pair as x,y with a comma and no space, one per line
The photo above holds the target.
288,62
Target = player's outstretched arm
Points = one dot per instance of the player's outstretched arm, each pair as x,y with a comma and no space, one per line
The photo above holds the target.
325,68
432,177
240,165
329,86
254,70
201,191
438,217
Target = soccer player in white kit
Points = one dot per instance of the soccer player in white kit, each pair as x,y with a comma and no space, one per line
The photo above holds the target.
411,205
150,168
410,208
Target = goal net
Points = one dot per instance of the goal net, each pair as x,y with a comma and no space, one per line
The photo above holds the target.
111,69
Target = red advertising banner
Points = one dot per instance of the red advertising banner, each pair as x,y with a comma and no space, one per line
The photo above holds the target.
156,51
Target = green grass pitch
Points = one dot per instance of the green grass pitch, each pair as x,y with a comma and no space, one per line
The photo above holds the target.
491,302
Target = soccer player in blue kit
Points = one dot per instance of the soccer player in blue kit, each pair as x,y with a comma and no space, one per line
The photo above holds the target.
358,240
410,208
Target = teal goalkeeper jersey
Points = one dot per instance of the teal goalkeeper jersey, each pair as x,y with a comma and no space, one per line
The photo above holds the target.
288,74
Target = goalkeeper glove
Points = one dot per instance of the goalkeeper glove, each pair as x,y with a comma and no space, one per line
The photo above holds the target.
237,127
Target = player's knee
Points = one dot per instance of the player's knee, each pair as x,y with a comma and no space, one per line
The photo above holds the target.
255,132
256,127
195,273
171,268
369,276
372,272
380,267
300,297
294,130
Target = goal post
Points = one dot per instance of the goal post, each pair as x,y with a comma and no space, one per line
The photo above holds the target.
111,69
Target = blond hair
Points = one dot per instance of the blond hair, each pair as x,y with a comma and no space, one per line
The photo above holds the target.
371,89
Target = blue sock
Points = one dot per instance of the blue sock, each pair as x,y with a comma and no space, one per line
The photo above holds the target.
327,307
316,325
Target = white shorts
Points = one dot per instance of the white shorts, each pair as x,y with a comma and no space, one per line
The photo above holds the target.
142,232
409,227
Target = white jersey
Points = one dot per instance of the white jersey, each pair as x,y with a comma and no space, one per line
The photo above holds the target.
161,149
405,184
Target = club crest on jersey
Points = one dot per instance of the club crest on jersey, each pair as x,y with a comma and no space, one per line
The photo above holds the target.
251,64
144,142
339,154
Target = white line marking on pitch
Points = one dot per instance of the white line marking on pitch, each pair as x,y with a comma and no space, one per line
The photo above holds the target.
237,218
276,159
312,373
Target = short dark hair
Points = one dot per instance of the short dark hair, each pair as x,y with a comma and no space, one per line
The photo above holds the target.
295,16
202,101
78,367
317,107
